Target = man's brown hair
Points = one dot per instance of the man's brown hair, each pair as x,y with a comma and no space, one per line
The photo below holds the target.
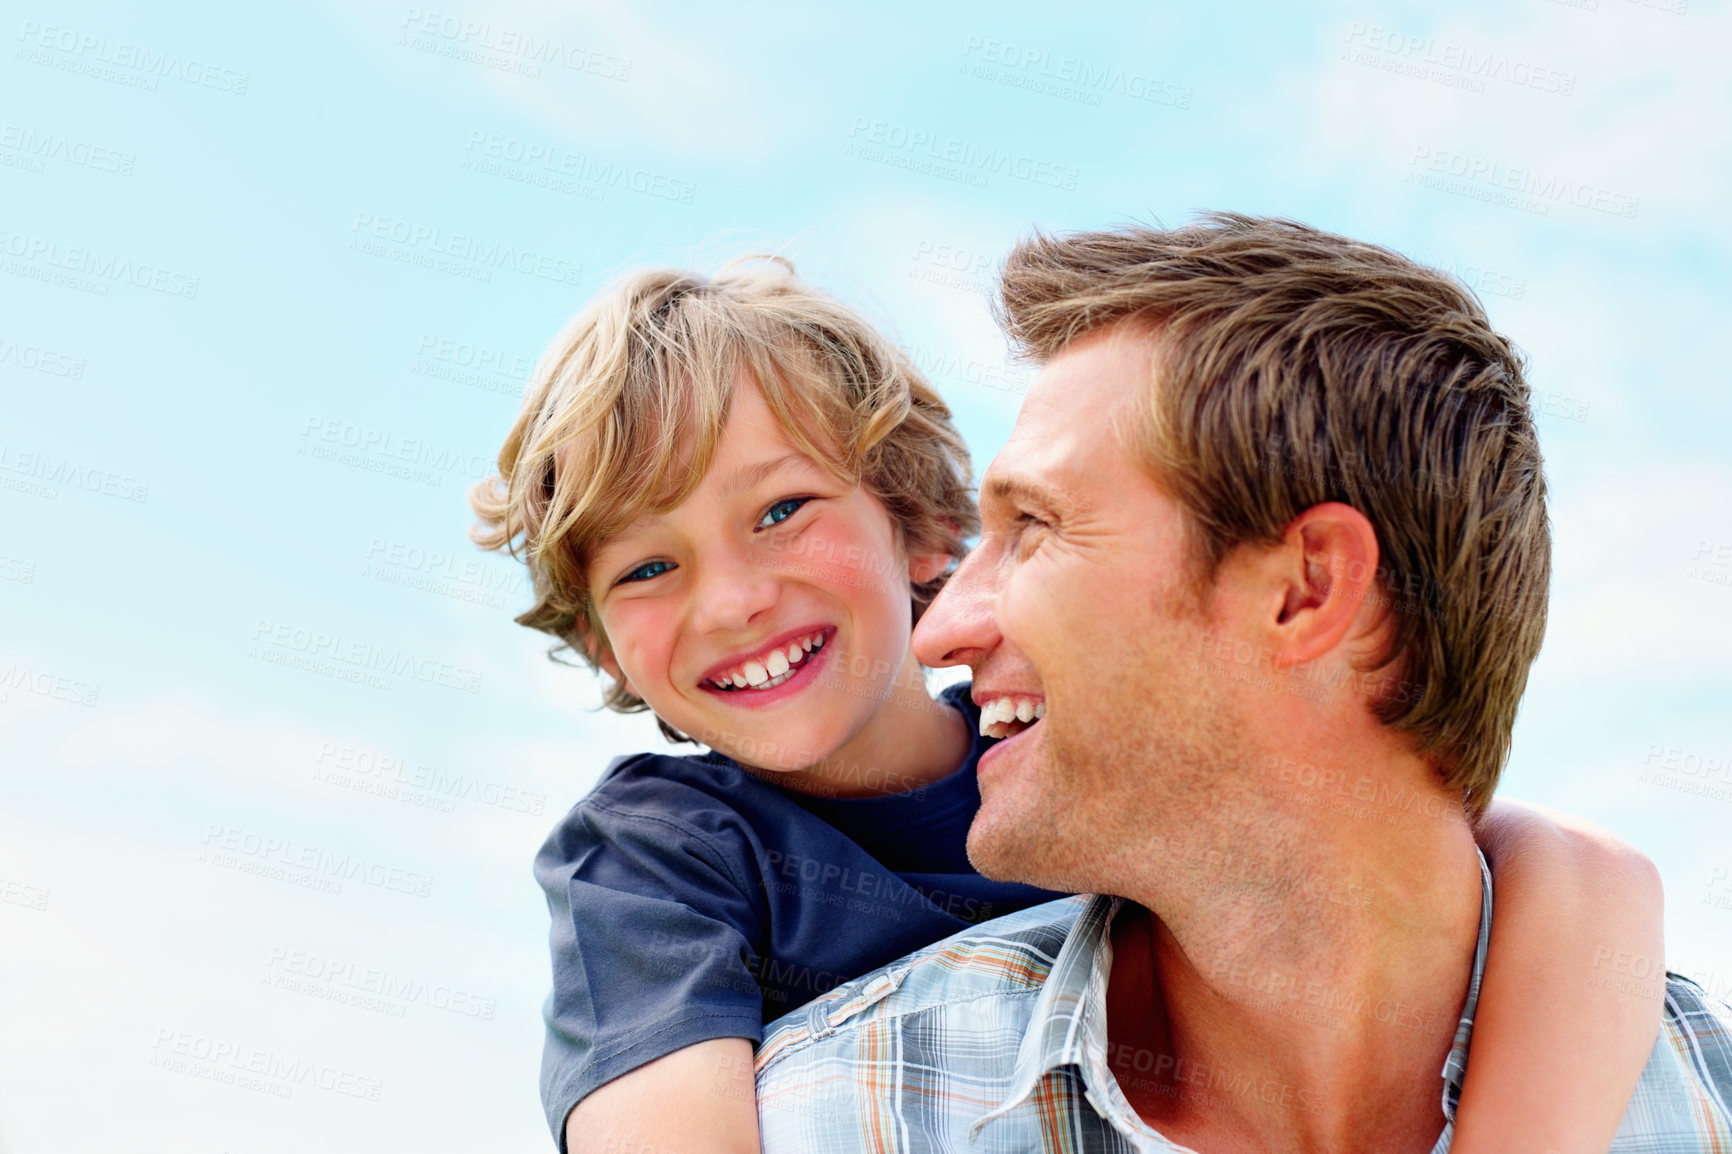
624,412
1297,367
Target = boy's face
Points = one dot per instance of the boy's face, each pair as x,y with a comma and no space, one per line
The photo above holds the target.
768,615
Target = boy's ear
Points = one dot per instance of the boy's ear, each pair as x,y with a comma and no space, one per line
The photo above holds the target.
600,653
924,567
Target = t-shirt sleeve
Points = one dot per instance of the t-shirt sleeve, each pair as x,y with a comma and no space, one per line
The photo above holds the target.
654,918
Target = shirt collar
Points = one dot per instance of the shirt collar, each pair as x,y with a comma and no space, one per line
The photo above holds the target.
1068,1024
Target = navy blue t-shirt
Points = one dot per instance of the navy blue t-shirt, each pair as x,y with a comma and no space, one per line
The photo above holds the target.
692,900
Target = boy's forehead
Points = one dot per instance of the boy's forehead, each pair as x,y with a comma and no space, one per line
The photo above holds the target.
753,447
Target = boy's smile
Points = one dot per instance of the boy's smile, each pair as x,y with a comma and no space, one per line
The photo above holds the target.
786,659
768,616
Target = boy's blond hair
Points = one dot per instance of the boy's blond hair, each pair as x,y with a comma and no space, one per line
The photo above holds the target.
624,411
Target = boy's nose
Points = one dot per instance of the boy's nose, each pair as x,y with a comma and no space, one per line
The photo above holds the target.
731,595
960,627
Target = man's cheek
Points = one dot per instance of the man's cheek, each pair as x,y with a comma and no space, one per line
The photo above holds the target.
1020,620
1039,594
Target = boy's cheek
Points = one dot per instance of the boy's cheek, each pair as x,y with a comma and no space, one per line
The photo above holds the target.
618,652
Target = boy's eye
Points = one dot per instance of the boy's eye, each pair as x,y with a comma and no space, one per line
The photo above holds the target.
646,571
781,511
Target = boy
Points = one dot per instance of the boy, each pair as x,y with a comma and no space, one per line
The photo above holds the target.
734,498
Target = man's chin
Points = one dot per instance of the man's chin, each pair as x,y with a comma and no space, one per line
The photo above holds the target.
1008,851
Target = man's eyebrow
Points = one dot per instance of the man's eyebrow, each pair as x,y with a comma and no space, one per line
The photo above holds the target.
750,476
1015,490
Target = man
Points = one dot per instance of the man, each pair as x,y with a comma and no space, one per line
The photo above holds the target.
1269,543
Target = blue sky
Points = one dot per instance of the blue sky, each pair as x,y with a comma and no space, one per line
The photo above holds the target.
271,282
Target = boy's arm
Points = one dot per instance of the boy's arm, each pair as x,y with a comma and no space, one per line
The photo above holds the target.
699,1100
1570,1005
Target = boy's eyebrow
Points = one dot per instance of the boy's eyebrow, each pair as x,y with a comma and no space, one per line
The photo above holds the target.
745,477
750,476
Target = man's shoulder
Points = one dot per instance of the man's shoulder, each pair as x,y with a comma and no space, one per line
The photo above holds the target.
1698,1027
1002,959
1683,1101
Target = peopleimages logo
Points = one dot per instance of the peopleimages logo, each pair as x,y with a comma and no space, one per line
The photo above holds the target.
43,146
53,470
950,157
1458,65
105,268
18,678
462,254
136,65
41,360
232,847
394,778
256,1068
1519,186
1066,77
498,155
366,987
415,452
483,42
363,658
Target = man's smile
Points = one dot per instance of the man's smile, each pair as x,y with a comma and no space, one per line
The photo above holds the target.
1008,714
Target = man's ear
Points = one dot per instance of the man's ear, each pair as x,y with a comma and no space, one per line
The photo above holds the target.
1325,571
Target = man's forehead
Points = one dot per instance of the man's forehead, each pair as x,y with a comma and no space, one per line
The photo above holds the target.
1066,431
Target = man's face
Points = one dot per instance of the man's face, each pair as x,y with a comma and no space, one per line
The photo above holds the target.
1080,597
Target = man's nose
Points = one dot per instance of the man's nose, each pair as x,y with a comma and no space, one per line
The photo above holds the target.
732,592
960,627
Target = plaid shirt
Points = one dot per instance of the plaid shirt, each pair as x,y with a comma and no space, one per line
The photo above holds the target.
994,1040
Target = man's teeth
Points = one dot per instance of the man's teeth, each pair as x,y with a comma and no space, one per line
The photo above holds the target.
997,714
772,667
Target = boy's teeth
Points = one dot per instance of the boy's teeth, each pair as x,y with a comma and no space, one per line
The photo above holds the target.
770,670
1040,710
1025,710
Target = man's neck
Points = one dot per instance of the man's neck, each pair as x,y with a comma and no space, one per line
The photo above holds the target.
1320,1020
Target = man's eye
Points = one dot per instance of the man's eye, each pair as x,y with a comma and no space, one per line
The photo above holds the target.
781,511
1026,531
646,571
